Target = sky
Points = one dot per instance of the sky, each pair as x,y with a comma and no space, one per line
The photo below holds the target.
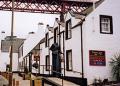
24,22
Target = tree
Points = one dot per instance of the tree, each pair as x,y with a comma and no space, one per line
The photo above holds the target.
115,64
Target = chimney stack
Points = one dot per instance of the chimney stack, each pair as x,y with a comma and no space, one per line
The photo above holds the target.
62,17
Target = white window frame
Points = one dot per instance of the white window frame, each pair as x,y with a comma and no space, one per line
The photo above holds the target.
106,26
69,64
68,29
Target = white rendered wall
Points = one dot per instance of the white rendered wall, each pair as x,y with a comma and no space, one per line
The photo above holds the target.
74,44
94,40
31,41
74,20
42,57
43,53
15,62
4,59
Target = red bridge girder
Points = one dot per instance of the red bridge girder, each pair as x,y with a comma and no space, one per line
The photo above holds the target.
45,6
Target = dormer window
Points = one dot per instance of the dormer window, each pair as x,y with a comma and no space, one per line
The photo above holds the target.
56,35
106,25
68,29
46,40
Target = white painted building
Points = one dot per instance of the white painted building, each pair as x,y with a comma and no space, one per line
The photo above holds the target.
27,51
94,39
97,36
87,42
5,52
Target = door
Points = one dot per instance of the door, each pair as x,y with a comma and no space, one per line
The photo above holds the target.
56,63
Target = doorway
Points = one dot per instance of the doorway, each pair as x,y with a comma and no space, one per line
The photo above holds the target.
56,63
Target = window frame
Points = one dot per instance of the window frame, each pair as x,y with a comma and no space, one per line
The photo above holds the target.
111,24
47,62
68,30
67,61
56,35
46,39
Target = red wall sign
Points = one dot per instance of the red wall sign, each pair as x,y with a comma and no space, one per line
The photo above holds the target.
97,58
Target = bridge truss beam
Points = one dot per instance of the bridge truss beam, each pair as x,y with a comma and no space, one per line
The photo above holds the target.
45,6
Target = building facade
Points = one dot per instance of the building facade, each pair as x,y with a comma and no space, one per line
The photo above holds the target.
5,44
80,45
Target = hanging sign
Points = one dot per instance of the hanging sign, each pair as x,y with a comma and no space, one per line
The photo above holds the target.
36,58
97,58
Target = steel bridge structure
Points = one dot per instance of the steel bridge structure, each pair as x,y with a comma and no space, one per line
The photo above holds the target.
46,6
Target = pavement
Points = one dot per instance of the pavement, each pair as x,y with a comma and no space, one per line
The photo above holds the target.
56,80
59,81
4,81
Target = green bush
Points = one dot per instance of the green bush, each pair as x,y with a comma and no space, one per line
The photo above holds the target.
115,64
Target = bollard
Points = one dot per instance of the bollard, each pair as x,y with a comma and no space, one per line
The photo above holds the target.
13,82
38,82
35,82
17,83
7,77
31,82
23,76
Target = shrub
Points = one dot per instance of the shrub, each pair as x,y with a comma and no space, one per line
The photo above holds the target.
115,64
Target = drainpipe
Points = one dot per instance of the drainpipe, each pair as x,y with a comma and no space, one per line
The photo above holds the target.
63,48
49,53
62,20
59,53
64,51
30,62
82,49
39,61
59,39
18,62
24,63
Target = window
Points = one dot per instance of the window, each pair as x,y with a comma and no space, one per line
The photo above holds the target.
47,63
69,60
56,35
46,40
68,29
106,26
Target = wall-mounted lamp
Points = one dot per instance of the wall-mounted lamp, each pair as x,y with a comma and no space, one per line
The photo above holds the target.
50,28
